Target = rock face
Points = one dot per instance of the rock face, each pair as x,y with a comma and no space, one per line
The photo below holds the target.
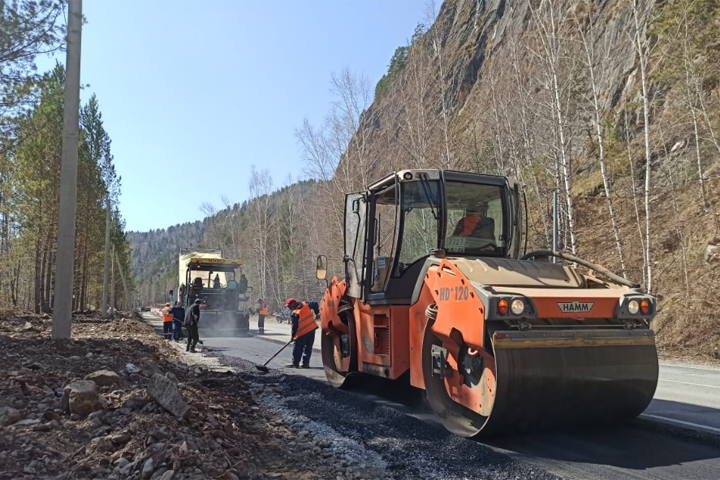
103,378
82,398
166,393
477,40
8,416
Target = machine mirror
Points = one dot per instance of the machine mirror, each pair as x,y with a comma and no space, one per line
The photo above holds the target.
321,268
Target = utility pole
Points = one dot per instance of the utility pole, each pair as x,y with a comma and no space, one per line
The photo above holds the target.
107,258
112,285
64,263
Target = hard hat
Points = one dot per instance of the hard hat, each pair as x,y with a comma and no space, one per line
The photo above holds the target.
291,301
167,304
197,300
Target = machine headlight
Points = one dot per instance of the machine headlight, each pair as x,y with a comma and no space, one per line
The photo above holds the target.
633,307
517,307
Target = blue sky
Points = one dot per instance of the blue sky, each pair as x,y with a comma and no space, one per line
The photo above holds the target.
194,93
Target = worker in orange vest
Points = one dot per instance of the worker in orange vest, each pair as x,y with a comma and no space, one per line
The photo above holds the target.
262,313
477,224
303,330
167,317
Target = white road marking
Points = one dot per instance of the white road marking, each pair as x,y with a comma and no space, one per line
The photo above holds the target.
688,383
677,365
681,422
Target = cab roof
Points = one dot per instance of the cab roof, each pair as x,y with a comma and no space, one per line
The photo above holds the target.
435,174
214,264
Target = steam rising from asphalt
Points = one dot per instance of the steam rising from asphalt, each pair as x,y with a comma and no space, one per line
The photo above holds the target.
216,325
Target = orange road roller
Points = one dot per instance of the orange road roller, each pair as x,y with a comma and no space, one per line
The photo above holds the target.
438,288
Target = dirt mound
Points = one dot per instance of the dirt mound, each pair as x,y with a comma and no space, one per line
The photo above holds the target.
223,434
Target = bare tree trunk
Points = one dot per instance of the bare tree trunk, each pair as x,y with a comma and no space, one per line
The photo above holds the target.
679,224
126,298
437,50
642,56
527,142
38,274
588,45
260,189
634,197
698,158
550,38
43,282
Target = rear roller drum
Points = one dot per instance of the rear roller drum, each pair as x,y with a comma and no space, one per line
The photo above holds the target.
456,418
339,354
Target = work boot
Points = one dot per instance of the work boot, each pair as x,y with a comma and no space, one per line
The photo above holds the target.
306,365
261,332
292,365
192,350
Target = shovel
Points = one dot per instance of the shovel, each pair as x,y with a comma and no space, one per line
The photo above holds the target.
263,367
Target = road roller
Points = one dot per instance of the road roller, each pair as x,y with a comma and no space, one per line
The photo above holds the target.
440,291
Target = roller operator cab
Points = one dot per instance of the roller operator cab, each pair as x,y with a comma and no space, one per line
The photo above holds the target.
436,290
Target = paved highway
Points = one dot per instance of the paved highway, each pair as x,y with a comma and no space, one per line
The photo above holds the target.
687,396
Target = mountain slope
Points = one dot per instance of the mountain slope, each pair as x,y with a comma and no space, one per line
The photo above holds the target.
557,93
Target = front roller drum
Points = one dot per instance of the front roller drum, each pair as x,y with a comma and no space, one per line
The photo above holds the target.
547,380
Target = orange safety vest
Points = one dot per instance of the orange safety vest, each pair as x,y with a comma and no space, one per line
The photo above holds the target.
306,323
469,225
264,309
167,316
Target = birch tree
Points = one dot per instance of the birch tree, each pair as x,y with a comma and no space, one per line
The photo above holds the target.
438,57
642,50
549,18
596,61
260,185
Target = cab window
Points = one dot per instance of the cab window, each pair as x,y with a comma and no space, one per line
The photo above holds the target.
474,219
385,235
419,217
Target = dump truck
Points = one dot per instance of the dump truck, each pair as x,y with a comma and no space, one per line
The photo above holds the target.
440,291
204,274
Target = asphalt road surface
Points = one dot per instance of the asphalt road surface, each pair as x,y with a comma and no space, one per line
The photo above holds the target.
649,448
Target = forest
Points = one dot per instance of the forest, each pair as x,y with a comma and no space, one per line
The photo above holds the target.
31,124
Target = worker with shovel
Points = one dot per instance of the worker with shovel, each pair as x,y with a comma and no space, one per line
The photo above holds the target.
192,317
178,314
303,330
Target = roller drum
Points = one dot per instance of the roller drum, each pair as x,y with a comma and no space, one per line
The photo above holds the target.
564,380
548,380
